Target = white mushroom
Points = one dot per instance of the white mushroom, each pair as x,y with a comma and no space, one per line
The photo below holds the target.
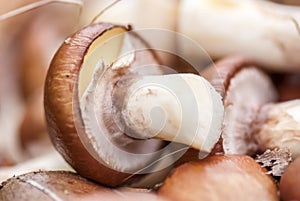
266,32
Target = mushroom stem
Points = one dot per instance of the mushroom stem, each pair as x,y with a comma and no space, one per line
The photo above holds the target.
266,32
279,126
182,108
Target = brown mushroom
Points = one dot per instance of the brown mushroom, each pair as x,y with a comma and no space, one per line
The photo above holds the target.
28,43
277,126
46,28
288,2
290,182
49,161
253,123
289,87
223,177
61,185
245,89
99,94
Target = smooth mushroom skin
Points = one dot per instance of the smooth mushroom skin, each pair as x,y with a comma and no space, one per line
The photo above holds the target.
244,88
60,86
290,182
289,87
63,186
288,2
222,177
43,185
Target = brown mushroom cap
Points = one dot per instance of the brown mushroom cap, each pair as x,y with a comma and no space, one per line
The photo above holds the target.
290,182
222,177
289,87
244,88
56,185
69,75
288,2
60,185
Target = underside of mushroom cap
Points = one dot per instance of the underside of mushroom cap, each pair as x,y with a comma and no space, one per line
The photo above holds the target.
104,137
87,86
245,89
64,87
59,101
279,127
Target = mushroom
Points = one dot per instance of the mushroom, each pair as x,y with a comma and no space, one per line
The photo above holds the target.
278,126
261,30
49,161
289,86
288,2
46,29
253,123
266,32
290,181
245,89
222,177
63,185
25,54
110,109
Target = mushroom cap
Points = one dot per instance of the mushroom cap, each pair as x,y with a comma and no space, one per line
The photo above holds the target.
67,186
290,182
220,177
280,127
288,86
244,88
69,76
52,185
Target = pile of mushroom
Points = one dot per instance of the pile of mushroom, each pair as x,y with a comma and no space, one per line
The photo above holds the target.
127,125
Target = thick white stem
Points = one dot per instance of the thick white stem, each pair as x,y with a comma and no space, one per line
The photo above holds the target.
281,126
264,31
182,108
